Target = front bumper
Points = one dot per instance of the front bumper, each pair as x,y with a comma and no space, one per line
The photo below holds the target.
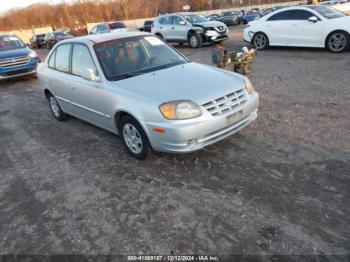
19,71
193,134
213,36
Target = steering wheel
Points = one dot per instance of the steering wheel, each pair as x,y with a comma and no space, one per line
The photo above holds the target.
148,60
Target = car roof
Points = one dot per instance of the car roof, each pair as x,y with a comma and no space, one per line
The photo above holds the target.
99,38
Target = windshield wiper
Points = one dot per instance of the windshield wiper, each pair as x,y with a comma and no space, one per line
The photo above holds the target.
125,76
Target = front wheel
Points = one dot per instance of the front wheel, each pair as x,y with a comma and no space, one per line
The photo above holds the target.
134,138
260,41
195,40
337,42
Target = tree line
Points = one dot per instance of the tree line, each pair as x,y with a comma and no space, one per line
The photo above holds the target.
81,12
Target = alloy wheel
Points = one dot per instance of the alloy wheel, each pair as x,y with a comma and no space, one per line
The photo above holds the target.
194,40
260,41
337,42
54,107
132,138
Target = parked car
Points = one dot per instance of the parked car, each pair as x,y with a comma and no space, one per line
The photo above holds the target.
213,17
340,5
137,86
37,40
147,26
230,18
189,27
16,58
306,26
269,10
110,27
53,37
250,16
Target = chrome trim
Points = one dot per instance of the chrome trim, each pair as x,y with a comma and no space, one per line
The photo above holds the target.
14,61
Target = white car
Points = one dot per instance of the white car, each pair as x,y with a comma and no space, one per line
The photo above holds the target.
304,26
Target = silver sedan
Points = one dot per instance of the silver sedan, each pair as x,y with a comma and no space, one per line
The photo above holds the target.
140,88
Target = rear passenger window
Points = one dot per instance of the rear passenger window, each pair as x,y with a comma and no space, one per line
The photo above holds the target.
165,20
62,58
284,15
81,60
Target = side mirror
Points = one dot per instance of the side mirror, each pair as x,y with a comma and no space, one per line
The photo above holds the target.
313,19
182,23
90,75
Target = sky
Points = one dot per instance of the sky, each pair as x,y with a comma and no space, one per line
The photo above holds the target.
5,5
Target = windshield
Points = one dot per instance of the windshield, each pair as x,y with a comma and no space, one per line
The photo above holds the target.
327,12
194,18
128,57
10,43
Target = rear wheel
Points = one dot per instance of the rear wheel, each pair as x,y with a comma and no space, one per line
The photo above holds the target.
260,41
338,41
56,108
134,138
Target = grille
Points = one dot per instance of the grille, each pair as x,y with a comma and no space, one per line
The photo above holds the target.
15,61
226,104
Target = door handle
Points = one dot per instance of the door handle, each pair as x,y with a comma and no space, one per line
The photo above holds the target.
161,27
294,24
72,87
173,28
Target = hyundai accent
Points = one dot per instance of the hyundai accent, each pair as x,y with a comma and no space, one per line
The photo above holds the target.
140,88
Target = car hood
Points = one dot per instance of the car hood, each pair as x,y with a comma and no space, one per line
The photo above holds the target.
191,81
15,53
209,24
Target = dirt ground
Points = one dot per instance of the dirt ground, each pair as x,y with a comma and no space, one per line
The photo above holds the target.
278,187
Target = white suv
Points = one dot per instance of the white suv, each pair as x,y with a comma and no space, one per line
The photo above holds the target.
189,27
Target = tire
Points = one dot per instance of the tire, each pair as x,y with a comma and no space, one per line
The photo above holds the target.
134,138
260,41
338,42
55,108
194,40
159,35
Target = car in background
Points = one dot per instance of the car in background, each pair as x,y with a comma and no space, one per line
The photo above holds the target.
213,17
340,5
250,16
16,58
269,10
230,18
37,41
303,26
147,26
189,27
110,27
140,88
53,37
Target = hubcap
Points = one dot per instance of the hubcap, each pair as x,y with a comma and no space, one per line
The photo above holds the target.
54,106
260,41
132,138
337,42
194,41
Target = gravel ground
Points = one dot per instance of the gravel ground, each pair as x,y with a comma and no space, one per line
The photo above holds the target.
278,187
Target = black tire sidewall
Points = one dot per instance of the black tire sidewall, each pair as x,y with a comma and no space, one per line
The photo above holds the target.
145,144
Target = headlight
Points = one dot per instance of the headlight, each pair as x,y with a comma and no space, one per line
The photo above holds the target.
33,54
178,110
248,85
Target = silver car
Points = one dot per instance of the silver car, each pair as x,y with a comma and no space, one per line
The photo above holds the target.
189,27
140,88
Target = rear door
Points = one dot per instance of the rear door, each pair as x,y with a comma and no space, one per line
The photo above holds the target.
165,24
